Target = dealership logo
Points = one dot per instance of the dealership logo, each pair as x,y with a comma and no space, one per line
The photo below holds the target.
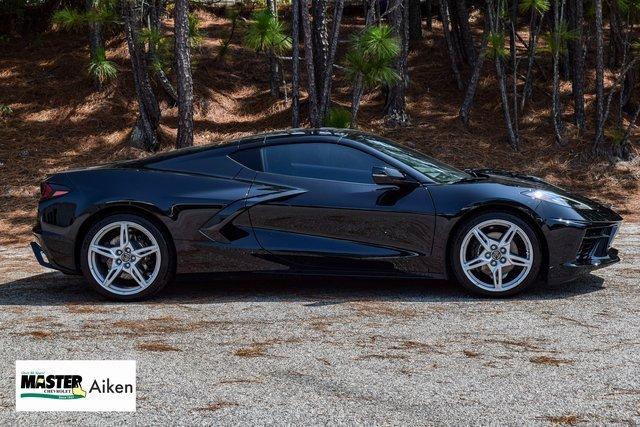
52,386
83,385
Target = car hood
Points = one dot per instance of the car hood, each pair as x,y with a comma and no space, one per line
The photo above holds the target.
598,210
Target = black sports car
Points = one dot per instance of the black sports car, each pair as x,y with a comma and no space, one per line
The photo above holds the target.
321,201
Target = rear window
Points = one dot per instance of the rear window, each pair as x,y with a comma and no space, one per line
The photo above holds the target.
249,158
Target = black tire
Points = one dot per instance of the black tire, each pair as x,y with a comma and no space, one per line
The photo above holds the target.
167,258
469,224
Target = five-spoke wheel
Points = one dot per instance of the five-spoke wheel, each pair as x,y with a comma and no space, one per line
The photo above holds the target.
126,257
496,254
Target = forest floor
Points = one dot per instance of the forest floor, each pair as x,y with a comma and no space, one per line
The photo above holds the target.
58,122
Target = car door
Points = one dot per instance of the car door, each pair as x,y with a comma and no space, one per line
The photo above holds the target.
314,205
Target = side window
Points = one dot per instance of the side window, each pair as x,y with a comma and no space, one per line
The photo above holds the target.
249,158
320,160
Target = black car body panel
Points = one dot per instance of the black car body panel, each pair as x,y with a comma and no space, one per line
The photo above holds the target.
224,214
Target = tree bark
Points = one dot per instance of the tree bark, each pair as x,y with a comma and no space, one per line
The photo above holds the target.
358,84
465,109
465,31
556,108
453,59
95,39
295,65
415,20
599,75
325,97
577,83
166,84
396,104
274,72
535,26
145,131
320,39
309,59
183,74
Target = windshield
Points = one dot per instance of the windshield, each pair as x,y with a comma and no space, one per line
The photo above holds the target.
428,166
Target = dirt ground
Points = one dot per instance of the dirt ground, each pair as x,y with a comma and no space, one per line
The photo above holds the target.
333,351
59,123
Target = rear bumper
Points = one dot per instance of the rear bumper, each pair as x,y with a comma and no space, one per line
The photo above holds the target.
44,256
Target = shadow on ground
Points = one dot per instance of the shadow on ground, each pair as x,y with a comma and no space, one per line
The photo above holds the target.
56,289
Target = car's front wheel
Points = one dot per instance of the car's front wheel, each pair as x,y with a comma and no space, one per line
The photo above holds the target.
496,254
126,257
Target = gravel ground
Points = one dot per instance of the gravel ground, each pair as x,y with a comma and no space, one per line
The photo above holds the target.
319,351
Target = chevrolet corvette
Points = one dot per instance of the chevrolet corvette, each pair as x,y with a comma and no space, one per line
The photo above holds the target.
315,201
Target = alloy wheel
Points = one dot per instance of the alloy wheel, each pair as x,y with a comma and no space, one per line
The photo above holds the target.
124,257
496,255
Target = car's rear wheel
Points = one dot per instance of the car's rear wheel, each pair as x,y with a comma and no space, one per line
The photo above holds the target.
126,257
496,254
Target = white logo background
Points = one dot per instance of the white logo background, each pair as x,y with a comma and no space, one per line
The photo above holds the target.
117,371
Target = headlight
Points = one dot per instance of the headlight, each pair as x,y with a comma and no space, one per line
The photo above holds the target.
557,199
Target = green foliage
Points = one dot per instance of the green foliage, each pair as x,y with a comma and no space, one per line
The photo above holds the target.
556,42
371,55
495,46
627,6
540,6
5,110
101,68
195,33
69,19
338,118
266,33
233,14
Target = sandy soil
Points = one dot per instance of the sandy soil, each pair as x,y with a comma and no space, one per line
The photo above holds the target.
332,351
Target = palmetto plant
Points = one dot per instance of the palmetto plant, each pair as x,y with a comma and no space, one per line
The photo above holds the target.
369,62
540,6
266,33
556,42
495,46
101,68
371,55
338,117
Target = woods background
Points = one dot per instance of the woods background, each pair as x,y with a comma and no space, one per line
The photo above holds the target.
540,86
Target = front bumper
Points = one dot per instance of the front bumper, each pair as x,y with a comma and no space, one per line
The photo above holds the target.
579,248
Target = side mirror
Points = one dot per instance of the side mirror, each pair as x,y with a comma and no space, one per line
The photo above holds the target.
385,175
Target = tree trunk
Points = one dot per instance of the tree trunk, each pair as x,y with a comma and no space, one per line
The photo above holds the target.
145,131
494,19
183,74
160,74
309,59
295,64
465,109
396,104
465,31
577,83
415,20
453,59
358,84
274,72
320,39
535,26
599,76
325,96
95,39
556,108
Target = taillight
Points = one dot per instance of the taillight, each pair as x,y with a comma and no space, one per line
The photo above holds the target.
50,191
